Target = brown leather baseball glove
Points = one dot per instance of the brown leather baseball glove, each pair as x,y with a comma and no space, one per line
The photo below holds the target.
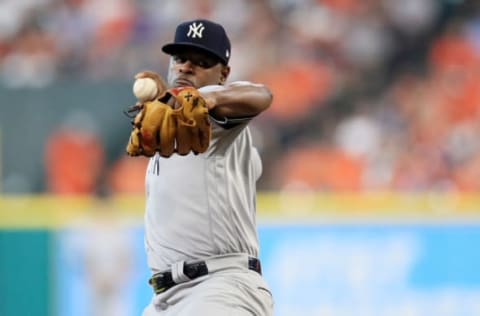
176,122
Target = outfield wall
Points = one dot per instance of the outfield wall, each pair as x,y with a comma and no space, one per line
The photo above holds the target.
378,254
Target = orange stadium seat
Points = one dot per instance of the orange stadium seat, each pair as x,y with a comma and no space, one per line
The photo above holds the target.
73,162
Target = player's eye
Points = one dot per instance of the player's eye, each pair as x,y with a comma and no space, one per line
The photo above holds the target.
179,59
205,63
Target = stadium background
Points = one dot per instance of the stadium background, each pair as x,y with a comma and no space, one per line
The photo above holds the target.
369,201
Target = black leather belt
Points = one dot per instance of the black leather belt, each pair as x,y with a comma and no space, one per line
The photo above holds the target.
162,281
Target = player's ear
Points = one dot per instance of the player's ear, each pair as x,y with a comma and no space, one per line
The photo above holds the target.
224,74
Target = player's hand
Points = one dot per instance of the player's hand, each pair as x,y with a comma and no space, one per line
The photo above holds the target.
161,85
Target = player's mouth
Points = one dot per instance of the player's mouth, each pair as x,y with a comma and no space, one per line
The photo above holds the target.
182,82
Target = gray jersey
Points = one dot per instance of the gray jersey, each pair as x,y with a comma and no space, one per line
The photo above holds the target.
203,205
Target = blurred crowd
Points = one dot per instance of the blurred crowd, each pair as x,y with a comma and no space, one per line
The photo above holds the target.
368,95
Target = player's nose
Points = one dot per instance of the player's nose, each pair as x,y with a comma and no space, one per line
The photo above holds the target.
186,67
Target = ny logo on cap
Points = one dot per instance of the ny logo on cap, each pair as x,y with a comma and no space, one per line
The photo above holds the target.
195,30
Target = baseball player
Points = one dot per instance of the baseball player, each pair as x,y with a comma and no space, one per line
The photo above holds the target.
200,228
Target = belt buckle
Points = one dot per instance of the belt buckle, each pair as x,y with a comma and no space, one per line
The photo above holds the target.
157,289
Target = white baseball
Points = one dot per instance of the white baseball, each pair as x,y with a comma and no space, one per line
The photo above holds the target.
145,89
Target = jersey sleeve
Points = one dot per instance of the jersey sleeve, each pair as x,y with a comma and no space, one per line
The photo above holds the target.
226,122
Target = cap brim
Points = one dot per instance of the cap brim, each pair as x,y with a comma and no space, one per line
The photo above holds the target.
174,48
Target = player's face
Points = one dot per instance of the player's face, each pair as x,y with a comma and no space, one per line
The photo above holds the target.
196,69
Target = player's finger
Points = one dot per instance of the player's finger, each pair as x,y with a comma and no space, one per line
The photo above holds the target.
146,74
161,85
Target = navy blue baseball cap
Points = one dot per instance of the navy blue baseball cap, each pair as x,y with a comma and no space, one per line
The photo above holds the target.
202,34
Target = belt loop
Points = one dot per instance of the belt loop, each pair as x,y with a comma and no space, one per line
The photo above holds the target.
254,264
178,276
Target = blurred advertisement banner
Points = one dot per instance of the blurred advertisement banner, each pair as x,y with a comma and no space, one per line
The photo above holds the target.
101,271
314,269
383,270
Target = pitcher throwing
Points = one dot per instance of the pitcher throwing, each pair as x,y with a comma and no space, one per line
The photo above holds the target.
200,222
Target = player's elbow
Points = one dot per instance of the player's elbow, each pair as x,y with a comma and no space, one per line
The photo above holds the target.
266,98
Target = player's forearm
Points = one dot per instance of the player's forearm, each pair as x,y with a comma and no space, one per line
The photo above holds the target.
238,99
